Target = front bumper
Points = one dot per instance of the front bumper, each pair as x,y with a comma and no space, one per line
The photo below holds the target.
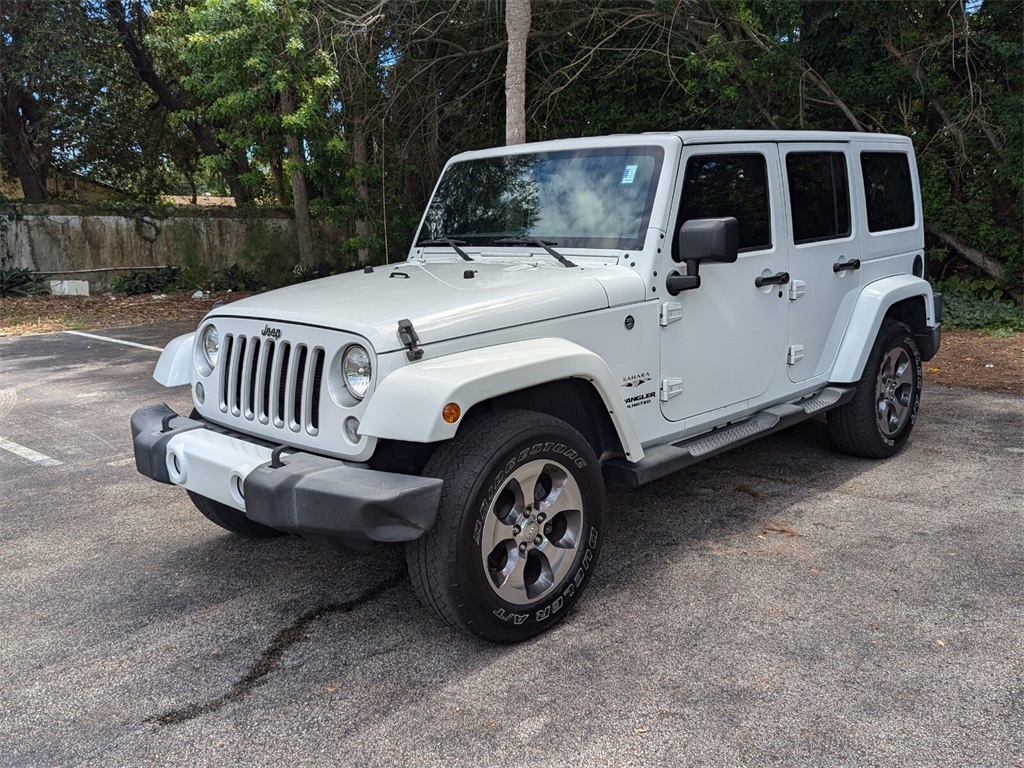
303,493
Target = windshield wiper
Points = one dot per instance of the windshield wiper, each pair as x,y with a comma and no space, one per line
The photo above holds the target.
531,240
448,241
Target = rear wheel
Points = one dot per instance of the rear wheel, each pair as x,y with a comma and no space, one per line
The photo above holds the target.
231,519
518,527
878,420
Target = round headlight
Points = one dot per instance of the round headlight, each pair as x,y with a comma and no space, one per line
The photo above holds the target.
357,371
209,344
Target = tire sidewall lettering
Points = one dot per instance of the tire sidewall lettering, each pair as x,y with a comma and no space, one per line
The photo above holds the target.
558,602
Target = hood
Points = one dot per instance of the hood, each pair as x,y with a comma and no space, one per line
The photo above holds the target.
441,300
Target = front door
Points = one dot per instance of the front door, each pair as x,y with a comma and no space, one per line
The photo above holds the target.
725,342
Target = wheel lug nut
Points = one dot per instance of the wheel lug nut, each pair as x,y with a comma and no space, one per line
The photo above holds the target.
540,517
516,530
537,540
522,547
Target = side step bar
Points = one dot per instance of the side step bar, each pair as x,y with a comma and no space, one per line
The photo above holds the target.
662,460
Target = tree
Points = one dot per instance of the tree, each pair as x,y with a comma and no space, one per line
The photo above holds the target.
133,27
250,66
517,25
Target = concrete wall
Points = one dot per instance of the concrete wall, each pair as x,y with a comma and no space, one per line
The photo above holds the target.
67,240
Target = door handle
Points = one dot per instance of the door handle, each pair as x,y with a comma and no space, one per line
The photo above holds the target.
842,266
779,278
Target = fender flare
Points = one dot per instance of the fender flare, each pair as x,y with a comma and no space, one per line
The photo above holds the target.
174,366
406,405
874,301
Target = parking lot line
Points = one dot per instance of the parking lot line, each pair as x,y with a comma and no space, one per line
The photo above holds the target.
115,341
27,453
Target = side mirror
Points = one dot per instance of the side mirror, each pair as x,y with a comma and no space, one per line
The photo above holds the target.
715,240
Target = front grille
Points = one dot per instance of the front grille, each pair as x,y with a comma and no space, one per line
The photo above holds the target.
276,383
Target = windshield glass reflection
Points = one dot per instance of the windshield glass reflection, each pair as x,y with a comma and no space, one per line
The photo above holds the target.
596,198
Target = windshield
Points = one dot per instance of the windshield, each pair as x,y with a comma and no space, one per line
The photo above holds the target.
593,198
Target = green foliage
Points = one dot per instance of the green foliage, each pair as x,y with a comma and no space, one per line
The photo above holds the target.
978,304
379,95
270,253
18,281
147,281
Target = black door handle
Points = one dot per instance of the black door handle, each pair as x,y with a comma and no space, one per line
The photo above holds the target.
779,278
842,266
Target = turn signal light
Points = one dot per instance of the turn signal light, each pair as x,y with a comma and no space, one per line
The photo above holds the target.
451,413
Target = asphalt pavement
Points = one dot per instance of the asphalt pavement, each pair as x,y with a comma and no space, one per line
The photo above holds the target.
778,605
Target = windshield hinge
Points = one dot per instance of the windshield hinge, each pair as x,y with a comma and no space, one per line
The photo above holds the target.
408,336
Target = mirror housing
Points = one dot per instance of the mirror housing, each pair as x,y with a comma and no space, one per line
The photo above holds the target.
715,240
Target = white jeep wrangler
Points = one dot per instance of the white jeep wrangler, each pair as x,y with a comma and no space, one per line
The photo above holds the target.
571,313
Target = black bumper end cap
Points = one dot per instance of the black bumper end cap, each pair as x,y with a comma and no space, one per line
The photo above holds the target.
316,496
152,428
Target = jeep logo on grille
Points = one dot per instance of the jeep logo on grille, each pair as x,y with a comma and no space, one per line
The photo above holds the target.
273,333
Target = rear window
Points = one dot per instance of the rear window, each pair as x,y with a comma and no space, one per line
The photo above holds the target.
819,196
888,192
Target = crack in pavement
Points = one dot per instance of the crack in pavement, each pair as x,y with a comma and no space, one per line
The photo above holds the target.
282,641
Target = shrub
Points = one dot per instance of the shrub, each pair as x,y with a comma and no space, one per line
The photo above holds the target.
155,281
18,281
978,304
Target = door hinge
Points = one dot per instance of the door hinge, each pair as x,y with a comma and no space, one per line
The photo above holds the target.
797,288
670,312
670,388
795,354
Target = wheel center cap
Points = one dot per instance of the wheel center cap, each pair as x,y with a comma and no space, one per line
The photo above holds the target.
530,529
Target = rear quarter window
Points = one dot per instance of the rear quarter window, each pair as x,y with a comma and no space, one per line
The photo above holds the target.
888,191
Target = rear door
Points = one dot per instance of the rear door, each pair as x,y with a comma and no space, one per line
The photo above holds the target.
824,254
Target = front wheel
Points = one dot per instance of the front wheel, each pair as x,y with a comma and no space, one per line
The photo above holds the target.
877,421
518,527
231,519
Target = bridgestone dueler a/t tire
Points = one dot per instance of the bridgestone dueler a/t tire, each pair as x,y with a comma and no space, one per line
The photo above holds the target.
520,517
878,420
231,519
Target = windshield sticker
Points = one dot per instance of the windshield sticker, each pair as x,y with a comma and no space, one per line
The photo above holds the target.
629,175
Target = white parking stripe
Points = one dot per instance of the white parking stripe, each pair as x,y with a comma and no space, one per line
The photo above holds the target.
27,453
115,341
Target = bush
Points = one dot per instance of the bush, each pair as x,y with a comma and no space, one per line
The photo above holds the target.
155,281
18,281
977,304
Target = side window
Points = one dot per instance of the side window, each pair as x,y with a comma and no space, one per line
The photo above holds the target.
887,189
819,195
730,185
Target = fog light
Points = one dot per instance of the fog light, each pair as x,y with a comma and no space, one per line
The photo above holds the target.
352,429
451,413
200,393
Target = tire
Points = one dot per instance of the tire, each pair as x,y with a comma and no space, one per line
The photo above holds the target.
506,561
231,519
878,420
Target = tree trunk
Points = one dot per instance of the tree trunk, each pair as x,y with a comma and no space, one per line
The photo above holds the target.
361,157
300,196
16,110
985,263
277,177
517,27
